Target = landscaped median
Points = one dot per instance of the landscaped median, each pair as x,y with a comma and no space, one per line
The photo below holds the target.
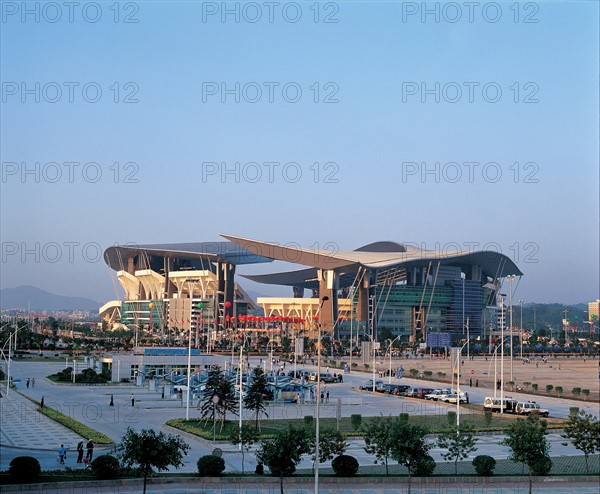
351,426
70,423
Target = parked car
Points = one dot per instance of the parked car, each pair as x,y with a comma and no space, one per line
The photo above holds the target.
396,389
495,404
369,385
436,393
529,407
419,392
452,397
326,377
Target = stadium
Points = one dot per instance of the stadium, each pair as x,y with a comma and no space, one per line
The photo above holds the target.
380,290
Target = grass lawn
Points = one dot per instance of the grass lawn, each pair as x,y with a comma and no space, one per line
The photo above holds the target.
436,423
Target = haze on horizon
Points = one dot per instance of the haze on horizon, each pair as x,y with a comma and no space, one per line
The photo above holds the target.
383,132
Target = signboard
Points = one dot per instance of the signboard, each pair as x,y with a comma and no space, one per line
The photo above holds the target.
439,340
171,352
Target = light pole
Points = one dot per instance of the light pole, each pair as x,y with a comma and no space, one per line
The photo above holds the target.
502,354
318,396
510,312
390,361
189,365
521,326
458,357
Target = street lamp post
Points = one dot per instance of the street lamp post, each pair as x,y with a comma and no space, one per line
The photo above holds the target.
458,357
521,326
189,364
318,397
390,361
510,311
502,355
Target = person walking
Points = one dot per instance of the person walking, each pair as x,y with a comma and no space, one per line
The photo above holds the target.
132,400
90,451
80,452
62,454
470,382
32,382
327,397
476,383
27,383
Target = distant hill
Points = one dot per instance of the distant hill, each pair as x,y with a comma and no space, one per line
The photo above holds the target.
22,296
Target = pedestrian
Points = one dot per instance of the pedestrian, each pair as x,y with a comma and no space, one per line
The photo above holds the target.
327,397
112,402
322,395
470,382
27,383
467,397
90,451
132,400
62,454
42,403
476,383
162,395
32,382
80,452
498,383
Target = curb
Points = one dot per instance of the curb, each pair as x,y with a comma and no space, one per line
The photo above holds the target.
267,480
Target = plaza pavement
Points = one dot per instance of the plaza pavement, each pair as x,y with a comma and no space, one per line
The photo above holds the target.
25,431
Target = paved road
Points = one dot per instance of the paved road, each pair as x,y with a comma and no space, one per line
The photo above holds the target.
23,431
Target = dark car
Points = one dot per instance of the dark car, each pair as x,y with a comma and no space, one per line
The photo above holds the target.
419,392
397,389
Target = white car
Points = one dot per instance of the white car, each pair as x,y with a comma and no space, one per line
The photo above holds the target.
452,397
436,394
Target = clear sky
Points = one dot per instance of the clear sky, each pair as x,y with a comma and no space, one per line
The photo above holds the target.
437,124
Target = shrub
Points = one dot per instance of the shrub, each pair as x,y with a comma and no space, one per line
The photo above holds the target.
356,420
354,365
106,467
403,417
345,466
576,391
451,417
559,390
484,465
535,387
526,384
308,421
210,466
423,466
586,393
488,416
549,388
24,469
573,411
428,374
542,466
413,372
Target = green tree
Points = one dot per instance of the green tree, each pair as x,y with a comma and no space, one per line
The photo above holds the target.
408,446
331,444
218,397
284,452
583,429
529,445
149,449
246,437
377,431
257,394
459,444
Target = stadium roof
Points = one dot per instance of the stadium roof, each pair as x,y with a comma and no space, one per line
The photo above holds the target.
378,255
207,251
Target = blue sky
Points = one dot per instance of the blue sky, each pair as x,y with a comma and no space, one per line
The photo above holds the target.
378,131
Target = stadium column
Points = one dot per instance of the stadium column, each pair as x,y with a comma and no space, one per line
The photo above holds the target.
328,286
